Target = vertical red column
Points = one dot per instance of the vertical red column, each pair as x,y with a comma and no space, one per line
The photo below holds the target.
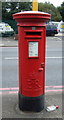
32,35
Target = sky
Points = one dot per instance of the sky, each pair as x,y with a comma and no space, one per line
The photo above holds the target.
54,2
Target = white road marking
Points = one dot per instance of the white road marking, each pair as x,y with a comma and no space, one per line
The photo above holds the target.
8,41
16,58
59,38
55,57
1,44
11,58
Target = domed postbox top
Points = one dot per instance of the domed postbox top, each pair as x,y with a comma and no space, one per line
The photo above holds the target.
31,16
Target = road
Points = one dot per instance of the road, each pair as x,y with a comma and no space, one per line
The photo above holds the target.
10,66
53,64
9,78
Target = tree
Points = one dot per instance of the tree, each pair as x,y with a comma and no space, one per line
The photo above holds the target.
9,8
25,6
0,10
50,8
62,11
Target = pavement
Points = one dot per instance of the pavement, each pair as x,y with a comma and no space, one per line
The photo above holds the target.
8,42
11,110
13,40
9,101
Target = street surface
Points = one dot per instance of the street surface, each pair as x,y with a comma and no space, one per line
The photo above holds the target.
53,63
54,84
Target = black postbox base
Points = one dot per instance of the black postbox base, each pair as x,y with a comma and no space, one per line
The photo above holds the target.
35,104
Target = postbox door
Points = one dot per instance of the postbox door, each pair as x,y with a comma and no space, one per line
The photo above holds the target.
36,67
33,66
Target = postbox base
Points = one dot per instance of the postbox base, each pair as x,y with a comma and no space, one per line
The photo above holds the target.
35,104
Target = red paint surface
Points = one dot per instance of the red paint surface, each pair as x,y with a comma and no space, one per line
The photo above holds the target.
31,73
31,79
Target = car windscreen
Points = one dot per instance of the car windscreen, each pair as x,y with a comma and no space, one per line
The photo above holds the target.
53,27
48,27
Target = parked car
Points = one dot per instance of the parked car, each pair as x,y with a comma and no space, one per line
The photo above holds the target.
54,23
5,29
61,26
51,29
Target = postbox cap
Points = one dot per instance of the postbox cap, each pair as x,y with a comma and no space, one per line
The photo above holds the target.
32,17
37,12
29,13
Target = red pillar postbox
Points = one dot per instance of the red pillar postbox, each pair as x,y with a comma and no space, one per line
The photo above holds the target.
32,35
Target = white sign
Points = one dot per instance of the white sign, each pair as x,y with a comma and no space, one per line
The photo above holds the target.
33,49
